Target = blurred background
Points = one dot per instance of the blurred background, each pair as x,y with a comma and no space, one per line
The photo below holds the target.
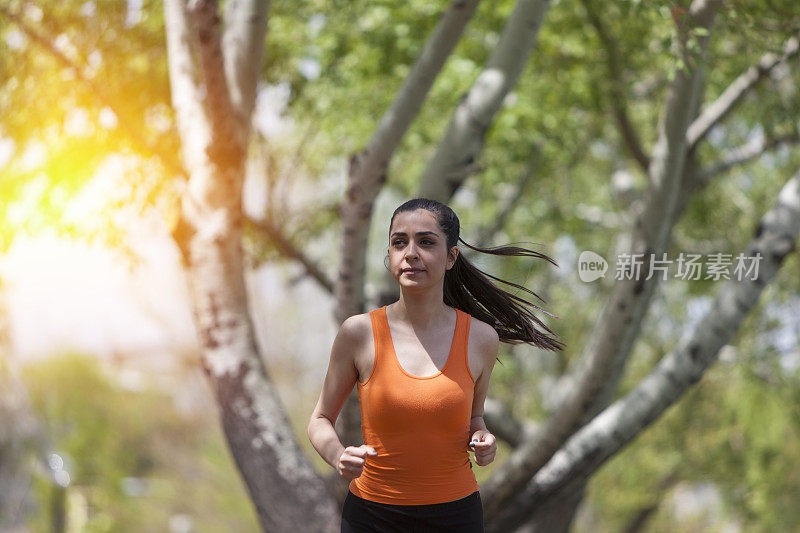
107,421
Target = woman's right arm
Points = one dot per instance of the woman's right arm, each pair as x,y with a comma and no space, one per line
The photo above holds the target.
339,381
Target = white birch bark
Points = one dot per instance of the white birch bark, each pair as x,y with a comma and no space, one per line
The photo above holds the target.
775,237
619,323
281,481
243,50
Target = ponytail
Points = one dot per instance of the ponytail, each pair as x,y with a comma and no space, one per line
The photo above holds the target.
468,288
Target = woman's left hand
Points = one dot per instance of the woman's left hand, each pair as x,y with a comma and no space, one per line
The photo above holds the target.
484,445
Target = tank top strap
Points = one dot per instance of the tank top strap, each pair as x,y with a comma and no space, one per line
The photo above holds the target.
382,340
461,342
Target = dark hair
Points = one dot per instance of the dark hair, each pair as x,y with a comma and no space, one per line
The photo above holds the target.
468,288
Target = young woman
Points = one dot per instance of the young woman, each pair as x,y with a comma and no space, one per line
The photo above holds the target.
422,366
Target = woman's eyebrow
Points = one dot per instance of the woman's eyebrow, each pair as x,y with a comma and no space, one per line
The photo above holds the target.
419,233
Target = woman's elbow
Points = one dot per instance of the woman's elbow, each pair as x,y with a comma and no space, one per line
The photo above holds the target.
311,426
314,424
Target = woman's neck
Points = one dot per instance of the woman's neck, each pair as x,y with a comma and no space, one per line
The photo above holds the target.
421,310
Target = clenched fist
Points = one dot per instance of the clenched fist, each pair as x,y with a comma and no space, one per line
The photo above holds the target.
484,445
351,462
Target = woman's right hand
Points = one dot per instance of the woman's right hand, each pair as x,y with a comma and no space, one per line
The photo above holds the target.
351,462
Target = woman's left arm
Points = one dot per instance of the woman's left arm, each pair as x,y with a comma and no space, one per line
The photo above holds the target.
482,442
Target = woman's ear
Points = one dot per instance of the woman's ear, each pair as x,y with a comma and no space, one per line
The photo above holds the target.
454,255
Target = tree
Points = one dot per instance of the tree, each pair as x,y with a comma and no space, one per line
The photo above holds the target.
214,131
214,67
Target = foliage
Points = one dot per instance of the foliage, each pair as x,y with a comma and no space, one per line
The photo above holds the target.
131,455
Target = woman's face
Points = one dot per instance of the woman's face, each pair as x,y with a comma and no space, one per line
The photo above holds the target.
418,255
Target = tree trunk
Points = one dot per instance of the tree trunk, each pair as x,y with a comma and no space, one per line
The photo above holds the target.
556,514
280,479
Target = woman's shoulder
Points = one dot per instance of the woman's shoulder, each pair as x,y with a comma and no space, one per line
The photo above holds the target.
356,326
484,333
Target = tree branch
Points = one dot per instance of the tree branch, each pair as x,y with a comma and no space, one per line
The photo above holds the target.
367,172
289,250
463,141
243,49
227,145
617,94
639,520
503,425
461,145
505,210
733,94
774,238
619,323
743,154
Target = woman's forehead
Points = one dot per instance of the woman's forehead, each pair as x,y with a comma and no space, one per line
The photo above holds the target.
418,220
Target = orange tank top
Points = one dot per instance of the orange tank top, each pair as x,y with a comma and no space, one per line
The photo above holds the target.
419,426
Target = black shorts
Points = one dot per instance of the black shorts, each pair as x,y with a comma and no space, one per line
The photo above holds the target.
459,516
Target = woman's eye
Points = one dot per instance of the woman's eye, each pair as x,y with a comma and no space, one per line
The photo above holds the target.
423,241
